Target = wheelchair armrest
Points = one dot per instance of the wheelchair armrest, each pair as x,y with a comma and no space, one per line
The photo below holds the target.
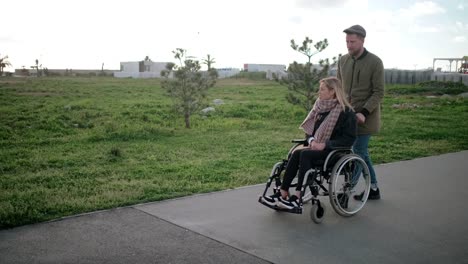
299,141
335,154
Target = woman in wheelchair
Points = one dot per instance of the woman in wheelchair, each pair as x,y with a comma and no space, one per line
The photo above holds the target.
331,124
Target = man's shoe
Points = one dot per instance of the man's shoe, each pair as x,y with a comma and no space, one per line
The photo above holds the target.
272,200
291,203
373,195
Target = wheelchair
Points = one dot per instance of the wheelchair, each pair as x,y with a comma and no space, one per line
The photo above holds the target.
345,173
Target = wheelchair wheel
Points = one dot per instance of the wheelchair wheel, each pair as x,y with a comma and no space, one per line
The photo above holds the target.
349,178
317,212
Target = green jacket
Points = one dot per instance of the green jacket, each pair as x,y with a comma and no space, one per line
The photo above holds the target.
363,81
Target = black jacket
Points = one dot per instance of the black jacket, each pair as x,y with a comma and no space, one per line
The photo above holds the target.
345,132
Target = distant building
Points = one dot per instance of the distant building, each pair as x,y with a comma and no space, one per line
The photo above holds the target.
272,70
150,69
140,69
250,67
227,72
64,72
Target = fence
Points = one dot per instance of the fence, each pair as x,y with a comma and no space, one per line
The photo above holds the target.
412,77
394,76
450,77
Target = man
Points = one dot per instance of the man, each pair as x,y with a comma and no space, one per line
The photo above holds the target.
362,77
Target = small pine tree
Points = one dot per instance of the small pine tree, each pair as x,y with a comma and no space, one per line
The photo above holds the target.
303,80
189,85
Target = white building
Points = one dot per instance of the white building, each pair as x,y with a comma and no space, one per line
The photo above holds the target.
140,69
250,67
272,70
150,69
227,72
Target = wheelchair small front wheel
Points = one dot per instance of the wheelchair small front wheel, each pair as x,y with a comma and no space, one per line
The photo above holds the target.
317,212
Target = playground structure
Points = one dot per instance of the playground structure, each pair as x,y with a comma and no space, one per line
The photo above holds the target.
463,68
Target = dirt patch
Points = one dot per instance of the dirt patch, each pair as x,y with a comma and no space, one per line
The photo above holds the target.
11,81
37,94
411,106
236,82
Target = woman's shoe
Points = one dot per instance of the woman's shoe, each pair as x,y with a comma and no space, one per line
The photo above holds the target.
272,200
291,203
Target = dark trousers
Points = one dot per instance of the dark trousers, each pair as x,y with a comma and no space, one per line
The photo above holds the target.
302,160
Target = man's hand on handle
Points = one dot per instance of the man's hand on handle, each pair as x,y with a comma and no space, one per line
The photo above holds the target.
360,118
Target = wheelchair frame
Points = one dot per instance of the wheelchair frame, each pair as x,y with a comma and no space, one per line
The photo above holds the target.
339,163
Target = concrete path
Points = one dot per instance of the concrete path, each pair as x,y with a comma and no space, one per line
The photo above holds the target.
422,218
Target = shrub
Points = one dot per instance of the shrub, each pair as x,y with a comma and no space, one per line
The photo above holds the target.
251,75
439,87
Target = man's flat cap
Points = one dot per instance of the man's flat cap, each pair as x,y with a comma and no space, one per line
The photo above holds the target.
356,29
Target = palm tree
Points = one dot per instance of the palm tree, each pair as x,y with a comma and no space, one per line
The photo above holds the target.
4,63
209,61
38,73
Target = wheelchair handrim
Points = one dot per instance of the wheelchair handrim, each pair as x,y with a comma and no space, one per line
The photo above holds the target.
335,177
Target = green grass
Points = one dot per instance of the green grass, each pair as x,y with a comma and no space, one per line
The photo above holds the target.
74,145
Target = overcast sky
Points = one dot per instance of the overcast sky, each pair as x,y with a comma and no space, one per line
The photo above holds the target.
84,34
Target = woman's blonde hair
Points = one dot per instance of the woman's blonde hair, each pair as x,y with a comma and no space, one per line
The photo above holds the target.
335,84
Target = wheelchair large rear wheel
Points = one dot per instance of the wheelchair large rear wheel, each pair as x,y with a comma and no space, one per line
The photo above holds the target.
349,185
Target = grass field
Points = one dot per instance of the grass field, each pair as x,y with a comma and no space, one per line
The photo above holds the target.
74,145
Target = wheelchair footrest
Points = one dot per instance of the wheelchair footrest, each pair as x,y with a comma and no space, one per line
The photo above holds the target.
277,208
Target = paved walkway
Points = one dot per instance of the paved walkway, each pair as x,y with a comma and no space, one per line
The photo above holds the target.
422,218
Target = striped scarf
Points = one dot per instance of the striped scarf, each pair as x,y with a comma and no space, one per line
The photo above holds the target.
325,129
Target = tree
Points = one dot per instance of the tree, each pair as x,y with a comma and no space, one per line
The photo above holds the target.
303,80
3,64
306,49
189,85
38,68
209,61
102,73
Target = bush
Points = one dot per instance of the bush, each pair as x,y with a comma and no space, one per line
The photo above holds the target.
251,75
442,85
439,87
